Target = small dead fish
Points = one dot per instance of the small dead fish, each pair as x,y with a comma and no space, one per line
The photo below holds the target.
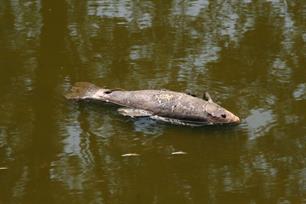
130,155
178,153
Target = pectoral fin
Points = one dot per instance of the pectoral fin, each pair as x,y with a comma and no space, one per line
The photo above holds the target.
132,112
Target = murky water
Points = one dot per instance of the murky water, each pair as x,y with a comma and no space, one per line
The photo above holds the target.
250,55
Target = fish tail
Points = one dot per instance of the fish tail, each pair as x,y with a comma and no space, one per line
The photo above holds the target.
82,90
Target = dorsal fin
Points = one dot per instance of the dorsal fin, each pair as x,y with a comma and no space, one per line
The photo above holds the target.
207,97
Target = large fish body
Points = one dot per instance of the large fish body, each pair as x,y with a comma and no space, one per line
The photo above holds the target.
165,105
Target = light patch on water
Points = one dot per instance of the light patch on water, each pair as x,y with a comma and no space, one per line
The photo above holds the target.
104,130
261,164
147,126
288,31
270,99
249,23
2,136
195,34
208,53
302,180
291,119
190,8
63,170
229,19
281,71
145,21
304,37
274,1
300,92
27,27
76,140
259,122
230,182
138,52
21,184
73,30
4,143
288,22
111,9
72,141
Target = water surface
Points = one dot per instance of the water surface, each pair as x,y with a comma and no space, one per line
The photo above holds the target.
250,55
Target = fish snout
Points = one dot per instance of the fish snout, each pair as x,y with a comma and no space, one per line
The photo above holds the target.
235,119
232,118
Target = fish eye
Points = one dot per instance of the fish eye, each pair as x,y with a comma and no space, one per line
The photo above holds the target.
223,115
108,92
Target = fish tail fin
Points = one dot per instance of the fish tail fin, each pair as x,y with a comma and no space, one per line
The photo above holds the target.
82,90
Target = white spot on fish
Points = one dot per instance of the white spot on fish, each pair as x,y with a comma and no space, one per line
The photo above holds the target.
163,98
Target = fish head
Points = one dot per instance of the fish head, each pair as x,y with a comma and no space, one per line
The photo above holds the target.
219,115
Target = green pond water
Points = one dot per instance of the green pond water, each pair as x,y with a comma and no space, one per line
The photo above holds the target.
250,55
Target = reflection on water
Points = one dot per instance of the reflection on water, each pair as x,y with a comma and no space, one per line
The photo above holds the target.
147,126
249,55
110,9
300,92
259,123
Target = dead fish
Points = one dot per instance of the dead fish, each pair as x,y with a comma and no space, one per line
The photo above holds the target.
179,153
164,105
130,155
3,168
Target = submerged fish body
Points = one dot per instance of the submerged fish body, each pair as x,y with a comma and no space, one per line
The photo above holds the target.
164,105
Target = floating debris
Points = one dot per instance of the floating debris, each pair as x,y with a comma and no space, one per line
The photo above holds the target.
3,168
130,155
179,153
